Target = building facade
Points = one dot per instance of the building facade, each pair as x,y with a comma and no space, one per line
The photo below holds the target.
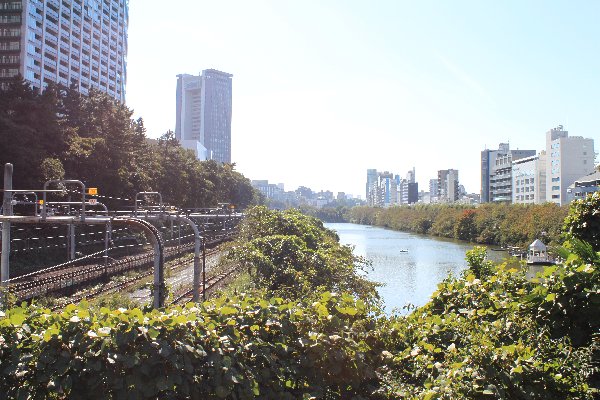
74,43
371,181
496,172
567,159
433,191
529,179
501,179
488,161
447,186
203,114
584,186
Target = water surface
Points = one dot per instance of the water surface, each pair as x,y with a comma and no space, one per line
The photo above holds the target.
410,266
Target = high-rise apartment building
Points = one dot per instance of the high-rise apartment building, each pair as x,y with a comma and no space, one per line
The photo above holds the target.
75,43
567,159
203,114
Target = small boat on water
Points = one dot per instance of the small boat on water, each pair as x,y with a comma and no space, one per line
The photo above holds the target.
403,251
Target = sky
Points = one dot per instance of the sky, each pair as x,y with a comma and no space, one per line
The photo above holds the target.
325,89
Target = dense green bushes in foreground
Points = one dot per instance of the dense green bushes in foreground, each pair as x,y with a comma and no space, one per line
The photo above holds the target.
491,333
501,224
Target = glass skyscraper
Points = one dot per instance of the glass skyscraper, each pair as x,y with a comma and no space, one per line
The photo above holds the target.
76,43
203,114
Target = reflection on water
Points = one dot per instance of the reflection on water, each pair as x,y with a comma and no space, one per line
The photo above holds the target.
410,266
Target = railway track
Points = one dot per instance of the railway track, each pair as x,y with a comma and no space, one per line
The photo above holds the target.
122,285
211,283
67,280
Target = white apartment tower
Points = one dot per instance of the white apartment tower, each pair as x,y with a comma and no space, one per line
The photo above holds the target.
203,114
567,159
75,43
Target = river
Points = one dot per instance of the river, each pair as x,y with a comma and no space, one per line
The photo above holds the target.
410,266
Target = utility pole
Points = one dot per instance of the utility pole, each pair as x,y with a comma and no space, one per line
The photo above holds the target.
7,212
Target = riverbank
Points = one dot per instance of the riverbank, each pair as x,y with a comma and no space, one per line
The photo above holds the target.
490,224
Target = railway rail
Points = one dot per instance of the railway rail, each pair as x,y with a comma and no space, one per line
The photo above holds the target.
212,282
68,280
112,287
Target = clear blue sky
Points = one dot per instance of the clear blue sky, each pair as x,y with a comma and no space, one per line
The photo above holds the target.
324,89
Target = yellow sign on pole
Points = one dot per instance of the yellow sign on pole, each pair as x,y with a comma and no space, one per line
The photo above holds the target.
93,191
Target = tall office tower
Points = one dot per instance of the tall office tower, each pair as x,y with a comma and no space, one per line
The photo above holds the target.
388,189
203,114
370,186
567,159
75,43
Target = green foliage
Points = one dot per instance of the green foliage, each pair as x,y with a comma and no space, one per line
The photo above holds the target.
62,134
478,265
569,294
333,214
465,229
480,338
239,348
292,255
583,221
500,224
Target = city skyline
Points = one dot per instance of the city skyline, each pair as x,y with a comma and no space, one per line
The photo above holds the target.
326,91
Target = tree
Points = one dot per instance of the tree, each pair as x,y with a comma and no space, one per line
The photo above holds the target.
583,220
465,229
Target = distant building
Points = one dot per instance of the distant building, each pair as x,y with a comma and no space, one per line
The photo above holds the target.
388,190
203,114
269,190
496,172
488,161
567,159
529,179
75,43
448,186
583,186
370,187
433,190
